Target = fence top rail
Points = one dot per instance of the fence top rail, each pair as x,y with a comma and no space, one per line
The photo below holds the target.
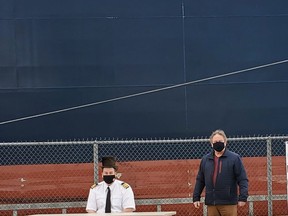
143,141
189,140
49,143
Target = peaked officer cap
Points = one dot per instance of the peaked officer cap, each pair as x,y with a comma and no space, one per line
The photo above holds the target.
109,162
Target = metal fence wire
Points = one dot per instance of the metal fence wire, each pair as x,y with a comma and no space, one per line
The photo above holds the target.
55,177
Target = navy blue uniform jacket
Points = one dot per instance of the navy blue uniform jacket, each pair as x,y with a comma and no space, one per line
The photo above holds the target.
231,173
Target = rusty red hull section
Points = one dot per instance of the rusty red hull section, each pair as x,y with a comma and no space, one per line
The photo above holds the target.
149,179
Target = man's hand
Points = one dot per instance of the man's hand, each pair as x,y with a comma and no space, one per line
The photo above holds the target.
240,203
196,204
128,210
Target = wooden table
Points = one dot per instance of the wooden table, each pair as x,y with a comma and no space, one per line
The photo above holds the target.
170,213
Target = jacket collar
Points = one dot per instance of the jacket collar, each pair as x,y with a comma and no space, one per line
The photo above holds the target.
211,155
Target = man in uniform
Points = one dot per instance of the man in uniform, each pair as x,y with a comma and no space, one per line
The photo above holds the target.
110,195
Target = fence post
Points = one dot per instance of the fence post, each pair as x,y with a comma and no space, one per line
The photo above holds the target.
286,156
205,210
269,177
95,160
251,208
159,208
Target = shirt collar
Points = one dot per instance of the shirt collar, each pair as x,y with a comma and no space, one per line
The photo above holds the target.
110,186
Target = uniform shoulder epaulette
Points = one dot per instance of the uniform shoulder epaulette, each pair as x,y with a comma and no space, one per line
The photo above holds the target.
94,185
125,185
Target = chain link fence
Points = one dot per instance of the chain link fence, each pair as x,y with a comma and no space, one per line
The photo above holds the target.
55,177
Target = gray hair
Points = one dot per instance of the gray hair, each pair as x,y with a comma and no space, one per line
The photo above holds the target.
219,132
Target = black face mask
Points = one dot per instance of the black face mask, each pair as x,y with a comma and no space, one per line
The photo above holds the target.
218,146
108,178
